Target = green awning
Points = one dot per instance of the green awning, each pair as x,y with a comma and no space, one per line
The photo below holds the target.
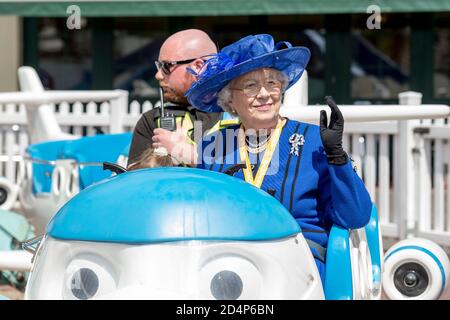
122,8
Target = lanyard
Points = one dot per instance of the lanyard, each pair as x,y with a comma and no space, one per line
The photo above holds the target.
262,170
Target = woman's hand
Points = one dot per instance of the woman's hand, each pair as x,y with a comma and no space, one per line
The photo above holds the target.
176,143
331,134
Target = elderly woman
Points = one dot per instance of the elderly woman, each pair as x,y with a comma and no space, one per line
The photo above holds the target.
302,165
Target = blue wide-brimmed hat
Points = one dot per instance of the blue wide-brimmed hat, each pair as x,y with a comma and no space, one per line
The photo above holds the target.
248,54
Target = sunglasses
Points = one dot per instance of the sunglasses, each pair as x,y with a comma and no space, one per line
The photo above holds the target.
166,66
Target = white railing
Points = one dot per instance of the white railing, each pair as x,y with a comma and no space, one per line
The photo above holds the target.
434,180
78,113
404,163
406,168
409,185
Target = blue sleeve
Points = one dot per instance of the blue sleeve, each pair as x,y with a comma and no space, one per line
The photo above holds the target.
343,199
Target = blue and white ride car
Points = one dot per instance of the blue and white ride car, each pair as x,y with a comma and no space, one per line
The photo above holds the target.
181,233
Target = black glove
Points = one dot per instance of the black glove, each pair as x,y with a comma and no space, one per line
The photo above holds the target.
332,134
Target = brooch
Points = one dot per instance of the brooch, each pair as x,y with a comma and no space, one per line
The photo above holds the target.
296,140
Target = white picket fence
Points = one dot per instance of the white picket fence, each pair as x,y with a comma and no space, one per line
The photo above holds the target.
409,184
82,117
404,163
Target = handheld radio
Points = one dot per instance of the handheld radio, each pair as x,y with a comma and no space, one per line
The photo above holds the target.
166,121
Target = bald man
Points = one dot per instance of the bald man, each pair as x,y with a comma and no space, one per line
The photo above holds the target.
182,50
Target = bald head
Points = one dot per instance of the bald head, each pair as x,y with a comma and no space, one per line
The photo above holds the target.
188,44
191,45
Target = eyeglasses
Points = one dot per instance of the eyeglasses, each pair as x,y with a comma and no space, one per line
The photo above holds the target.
253,89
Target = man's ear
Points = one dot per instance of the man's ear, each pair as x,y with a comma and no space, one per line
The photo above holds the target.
197,65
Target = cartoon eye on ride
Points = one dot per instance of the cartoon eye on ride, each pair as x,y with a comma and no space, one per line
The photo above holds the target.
226,285
231,277
87,277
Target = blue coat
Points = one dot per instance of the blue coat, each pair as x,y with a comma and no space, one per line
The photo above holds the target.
316,193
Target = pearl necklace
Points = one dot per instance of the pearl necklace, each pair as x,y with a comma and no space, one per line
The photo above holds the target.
257,147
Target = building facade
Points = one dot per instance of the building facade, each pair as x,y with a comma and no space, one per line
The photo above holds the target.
362,51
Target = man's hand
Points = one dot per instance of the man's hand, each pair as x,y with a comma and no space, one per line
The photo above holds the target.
331,134
176,143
